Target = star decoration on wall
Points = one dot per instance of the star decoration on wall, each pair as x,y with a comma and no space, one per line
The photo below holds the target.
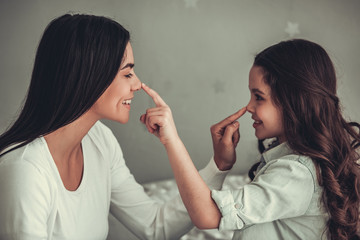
191,3
292,29
219,86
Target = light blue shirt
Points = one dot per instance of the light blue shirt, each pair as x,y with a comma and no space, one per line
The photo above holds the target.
282,202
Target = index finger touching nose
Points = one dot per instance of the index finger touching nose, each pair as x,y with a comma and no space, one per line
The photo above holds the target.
233,117
154,95
239,113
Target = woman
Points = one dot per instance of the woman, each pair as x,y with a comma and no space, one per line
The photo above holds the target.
61,169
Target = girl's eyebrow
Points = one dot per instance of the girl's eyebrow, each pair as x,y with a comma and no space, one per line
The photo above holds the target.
130,65
256,90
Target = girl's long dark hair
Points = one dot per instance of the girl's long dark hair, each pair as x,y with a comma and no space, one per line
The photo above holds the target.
303,84
77,59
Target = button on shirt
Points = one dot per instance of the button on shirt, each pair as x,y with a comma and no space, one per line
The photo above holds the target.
282,202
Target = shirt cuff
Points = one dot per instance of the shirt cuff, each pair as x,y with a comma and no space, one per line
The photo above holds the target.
228,208
212,176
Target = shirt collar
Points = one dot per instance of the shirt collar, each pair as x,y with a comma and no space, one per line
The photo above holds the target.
278,151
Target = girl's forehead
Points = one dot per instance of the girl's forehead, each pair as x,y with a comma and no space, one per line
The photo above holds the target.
257,80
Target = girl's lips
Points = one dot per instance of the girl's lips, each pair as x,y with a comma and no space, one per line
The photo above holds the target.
257,123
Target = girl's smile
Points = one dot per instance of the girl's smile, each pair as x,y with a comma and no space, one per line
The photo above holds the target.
256,123
266,115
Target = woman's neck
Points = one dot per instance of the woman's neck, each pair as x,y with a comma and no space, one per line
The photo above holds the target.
66,140
66,150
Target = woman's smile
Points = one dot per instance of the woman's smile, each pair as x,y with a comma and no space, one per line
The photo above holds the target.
127,103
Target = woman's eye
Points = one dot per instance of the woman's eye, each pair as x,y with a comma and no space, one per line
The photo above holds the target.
129,75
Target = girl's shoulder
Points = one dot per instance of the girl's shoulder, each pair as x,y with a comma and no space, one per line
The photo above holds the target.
283,153
298,165
293,157
282,158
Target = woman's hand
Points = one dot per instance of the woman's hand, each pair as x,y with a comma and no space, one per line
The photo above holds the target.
225,137
159,120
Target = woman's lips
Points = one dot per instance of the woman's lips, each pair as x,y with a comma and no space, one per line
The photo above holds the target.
127,103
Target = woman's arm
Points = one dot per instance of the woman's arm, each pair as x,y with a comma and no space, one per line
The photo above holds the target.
193,190
143,216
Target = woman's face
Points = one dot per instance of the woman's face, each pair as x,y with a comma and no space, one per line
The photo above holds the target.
114,104
266,115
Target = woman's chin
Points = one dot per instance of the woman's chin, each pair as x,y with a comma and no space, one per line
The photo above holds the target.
122,121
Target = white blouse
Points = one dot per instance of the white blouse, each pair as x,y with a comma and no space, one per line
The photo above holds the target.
34,204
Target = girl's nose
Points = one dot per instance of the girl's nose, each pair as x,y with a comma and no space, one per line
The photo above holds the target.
250,107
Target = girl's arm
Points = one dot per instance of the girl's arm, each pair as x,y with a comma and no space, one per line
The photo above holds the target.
194,192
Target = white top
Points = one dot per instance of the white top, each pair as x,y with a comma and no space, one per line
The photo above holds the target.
282,202
34,204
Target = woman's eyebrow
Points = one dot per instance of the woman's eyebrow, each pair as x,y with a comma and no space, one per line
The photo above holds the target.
130,65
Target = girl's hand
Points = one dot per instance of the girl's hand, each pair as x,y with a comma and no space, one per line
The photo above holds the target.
225,137
159,120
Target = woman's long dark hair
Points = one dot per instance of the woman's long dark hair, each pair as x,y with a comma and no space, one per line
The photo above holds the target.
303,84
77,59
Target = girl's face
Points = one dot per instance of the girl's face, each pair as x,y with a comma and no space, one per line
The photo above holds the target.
266,115
114,103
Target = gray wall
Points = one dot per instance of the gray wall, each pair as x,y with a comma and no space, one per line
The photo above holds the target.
196,54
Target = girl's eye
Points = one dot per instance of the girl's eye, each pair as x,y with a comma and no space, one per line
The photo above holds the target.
129,75
258,97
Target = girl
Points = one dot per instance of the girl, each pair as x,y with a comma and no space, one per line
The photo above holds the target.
61,170
306,185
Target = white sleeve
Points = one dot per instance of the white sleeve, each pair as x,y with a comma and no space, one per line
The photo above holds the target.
146,218
25,201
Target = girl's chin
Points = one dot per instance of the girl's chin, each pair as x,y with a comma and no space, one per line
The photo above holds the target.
258,136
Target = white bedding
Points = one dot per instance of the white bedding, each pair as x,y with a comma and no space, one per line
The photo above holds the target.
162,191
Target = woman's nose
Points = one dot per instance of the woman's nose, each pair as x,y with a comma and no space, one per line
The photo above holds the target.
136,84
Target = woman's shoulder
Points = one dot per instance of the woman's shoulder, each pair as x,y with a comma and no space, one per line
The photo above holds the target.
101,132
26,167
100,128
102,138
31,155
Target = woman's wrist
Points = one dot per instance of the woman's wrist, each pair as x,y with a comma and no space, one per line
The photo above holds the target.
174,141
222,165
